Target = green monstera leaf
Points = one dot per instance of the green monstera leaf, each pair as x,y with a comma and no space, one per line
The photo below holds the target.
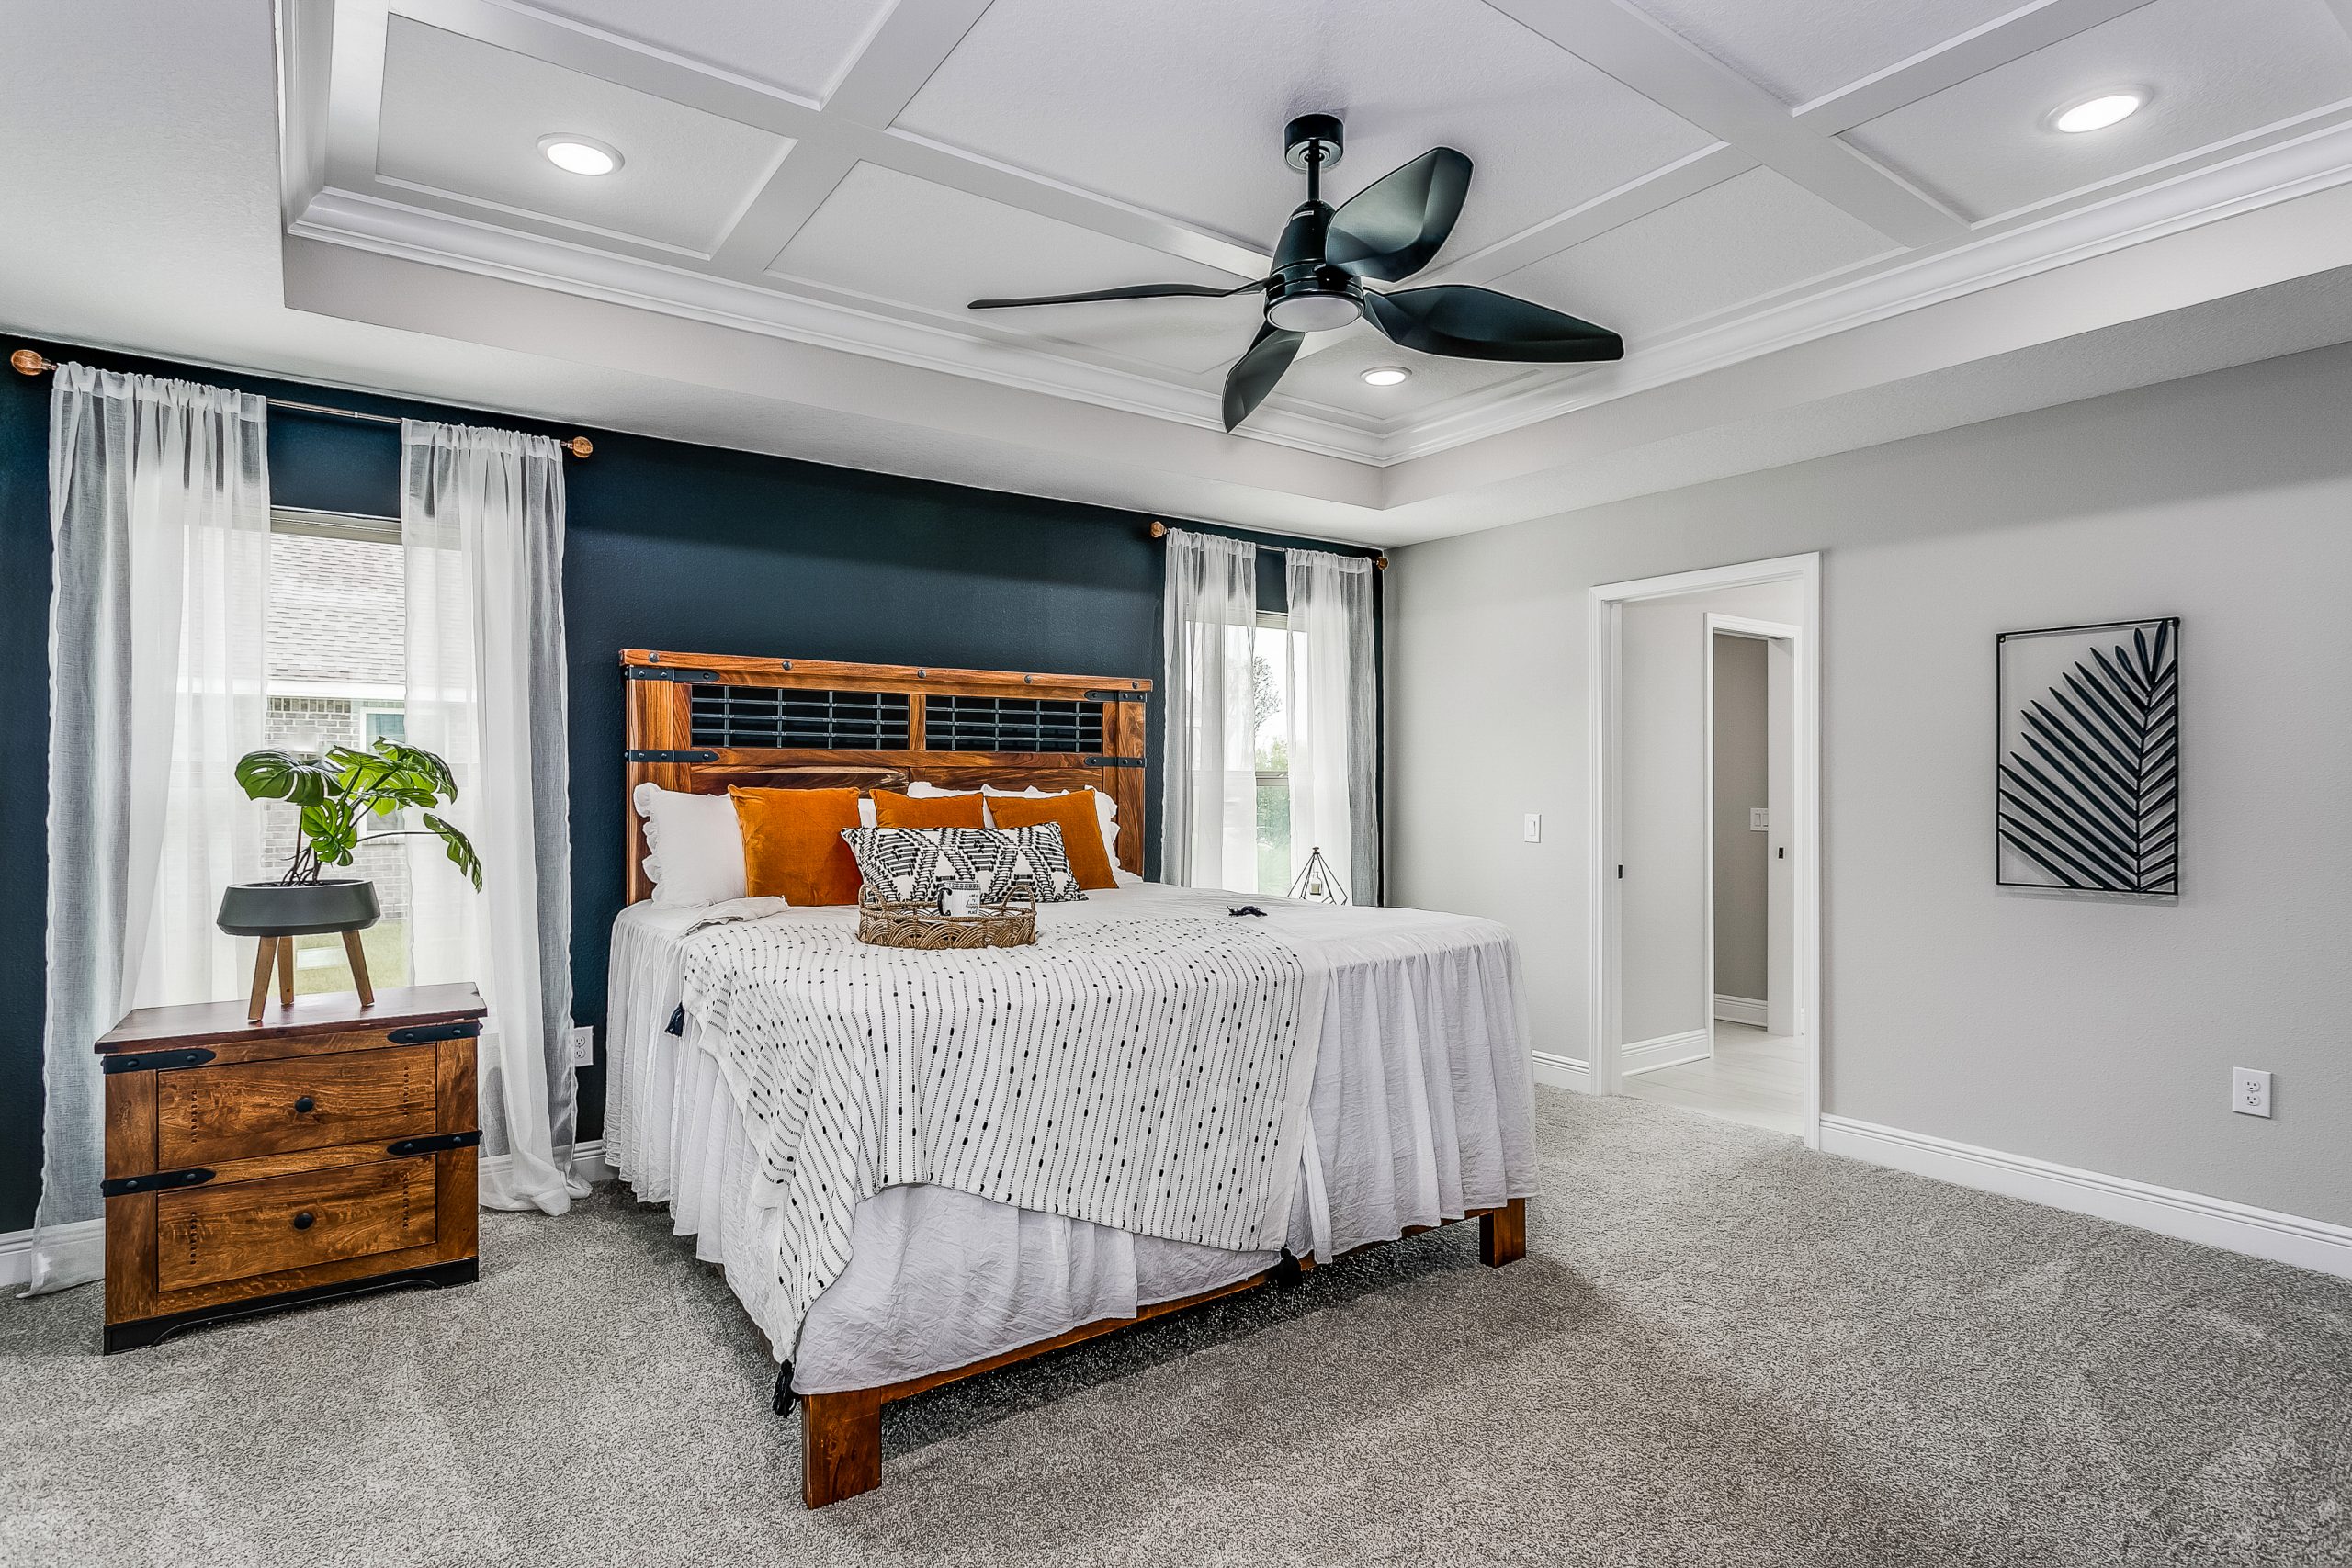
343,789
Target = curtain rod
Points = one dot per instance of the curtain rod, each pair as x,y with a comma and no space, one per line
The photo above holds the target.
1159,531
31,362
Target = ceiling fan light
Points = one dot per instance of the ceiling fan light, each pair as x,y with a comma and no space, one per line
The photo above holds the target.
580,154
1386,374
2099,112
1313,311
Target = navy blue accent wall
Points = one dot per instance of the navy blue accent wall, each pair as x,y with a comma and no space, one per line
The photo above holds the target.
669,545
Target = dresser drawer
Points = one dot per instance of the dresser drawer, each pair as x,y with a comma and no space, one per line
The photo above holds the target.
206,1234
213,1114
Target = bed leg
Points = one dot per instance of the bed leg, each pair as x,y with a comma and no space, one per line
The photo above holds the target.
841,1445
1502,1234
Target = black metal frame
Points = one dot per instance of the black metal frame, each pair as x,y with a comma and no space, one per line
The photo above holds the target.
2000,719
142,1332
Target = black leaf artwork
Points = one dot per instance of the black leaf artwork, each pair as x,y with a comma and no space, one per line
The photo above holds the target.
2090,787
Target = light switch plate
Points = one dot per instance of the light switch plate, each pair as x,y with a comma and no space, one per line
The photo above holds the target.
584,1044
2249,1091
1531,828
1759,819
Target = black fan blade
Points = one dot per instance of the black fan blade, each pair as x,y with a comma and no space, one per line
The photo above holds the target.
1391,228
1133,291
1464,323
1254,374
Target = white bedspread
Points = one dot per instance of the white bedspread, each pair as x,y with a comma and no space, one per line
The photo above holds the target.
1420,1108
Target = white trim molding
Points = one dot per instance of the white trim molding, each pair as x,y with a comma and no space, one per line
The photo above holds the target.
1562,1072
86,1238
2316,1245
588,1163
1665,1051
1740,1009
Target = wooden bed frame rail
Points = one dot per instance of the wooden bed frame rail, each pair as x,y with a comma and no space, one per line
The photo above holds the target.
840,1434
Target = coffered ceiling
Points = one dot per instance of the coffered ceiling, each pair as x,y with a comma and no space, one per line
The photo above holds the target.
1780,204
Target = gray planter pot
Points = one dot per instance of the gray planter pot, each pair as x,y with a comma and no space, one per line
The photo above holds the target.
275,908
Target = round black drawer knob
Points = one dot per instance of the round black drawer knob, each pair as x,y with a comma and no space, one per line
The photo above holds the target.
305,1105
304,1220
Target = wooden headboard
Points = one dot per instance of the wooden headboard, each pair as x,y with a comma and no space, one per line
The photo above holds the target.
699,722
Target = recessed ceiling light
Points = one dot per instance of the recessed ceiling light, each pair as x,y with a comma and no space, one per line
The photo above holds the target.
580,154
1386,374
2099,113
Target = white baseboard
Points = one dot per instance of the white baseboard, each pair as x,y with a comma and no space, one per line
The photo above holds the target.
2192,1216
1665,1051
1740,1009
1562,1072
588,1163
17,1252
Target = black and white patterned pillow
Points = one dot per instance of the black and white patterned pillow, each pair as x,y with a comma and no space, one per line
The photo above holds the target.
1021,862
906,866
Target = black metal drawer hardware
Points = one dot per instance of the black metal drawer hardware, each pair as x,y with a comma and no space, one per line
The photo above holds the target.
677,674
124,1186
1114,762
640,755
424,1032
434,1144
142,1061
304,1220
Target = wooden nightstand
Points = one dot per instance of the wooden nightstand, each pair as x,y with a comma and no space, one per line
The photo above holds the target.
327,1150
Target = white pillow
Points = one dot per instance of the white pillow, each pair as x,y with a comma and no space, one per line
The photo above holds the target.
922,789
693,846
1106,810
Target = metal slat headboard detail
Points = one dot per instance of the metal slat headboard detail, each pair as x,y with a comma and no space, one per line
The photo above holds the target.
792,718
953,723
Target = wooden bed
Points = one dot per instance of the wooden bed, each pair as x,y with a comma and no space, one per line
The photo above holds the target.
699,722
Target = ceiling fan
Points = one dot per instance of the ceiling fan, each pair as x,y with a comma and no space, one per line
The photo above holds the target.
1386,232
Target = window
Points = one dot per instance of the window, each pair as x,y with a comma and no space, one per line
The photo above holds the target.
1270,668
338,677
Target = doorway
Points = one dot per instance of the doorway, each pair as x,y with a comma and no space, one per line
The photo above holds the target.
1704,965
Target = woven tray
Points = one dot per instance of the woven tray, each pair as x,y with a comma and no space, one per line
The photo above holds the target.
922,926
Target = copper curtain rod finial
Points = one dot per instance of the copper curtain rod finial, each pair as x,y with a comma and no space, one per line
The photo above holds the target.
579,447
30,362
1158,529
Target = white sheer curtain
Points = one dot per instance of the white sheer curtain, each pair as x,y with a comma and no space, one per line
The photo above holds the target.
159,529
481,527
1209,815
1333,720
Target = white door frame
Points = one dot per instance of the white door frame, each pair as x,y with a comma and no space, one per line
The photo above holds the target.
1604,969
1720,624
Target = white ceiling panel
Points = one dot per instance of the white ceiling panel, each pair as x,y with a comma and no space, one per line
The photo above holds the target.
1180,109
800,45
464,116
890,236
1333,376
2217,67
1799,49
1752,235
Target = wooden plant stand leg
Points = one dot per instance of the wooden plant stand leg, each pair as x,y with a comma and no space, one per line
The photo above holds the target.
1502,1234
285,971
264,950
358,956
841,1445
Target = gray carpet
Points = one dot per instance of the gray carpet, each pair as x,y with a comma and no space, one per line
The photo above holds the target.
1721,1350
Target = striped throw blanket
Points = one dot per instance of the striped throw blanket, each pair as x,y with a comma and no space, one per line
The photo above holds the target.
1148,1074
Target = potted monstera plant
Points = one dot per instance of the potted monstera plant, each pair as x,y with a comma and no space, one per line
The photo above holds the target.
341,793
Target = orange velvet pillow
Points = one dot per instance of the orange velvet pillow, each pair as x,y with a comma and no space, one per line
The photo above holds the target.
793,846
1081,830
894,810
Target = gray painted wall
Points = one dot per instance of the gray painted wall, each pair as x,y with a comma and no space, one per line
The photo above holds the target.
1743,708
1662,833
2099,1034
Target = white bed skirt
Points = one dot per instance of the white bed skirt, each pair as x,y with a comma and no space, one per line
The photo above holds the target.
1422,1108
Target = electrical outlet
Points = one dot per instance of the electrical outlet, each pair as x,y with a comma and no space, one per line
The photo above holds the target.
1531,828
1759,820
584,1044
2250,1091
